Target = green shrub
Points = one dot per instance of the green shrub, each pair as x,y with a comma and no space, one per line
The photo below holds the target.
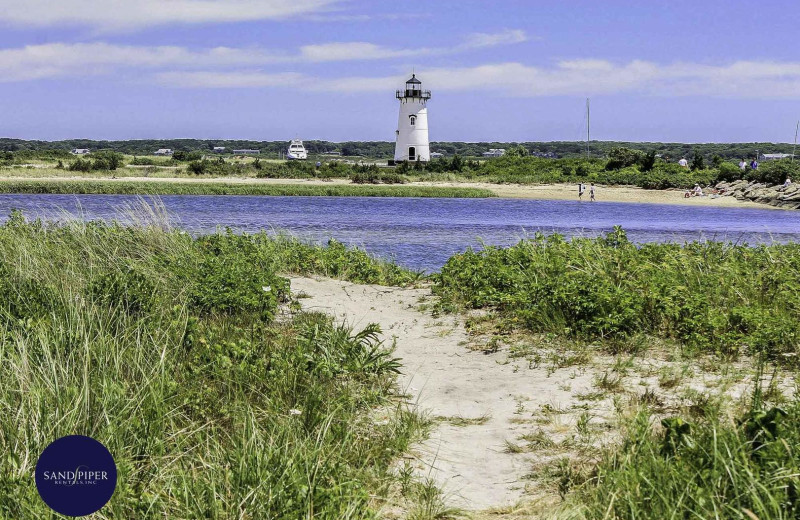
623,157
609,288
774,172
729,172
102,160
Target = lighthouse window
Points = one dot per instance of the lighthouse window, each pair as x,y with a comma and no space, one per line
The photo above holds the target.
413,120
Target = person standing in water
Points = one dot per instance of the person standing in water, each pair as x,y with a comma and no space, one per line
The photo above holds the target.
591,193
580,191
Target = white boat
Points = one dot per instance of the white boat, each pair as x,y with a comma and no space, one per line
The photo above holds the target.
296,150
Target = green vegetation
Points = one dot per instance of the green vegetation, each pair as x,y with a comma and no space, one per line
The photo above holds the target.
214,188
167,349
707,455
97,161
623,167
188,358
710,297
620,166
385,149
711,466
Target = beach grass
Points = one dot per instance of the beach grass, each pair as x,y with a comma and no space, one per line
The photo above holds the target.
724,460
109,187
184,357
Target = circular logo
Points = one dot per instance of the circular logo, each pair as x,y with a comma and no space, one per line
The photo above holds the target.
76,475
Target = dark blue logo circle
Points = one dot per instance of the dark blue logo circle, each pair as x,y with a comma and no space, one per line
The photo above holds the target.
76,475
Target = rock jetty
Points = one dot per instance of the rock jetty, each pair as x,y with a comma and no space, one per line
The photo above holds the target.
780,196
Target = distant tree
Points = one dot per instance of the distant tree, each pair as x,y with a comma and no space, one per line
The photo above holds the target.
456,164
582,170
648,161
106,160
621,157
698,163
717,160
517,151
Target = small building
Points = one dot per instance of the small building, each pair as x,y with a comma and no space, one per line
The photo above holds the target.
495,152
164,151
774,156
79,151
436,155
219,149
246,152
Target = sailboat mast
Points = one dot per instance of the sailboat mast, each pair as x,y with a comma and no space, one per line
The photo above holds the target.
795,139
587,128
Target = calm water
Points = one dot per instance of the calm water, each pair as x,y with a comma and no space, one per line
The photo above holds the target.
423,233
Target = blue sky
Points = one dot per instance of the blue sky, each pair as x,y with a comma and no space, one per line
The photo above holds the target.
687,71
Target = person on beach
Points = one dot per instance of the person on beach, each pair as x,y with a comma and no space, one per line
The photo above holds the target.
743,164
580,191
698,191
754,165
591,193
787,182
683,163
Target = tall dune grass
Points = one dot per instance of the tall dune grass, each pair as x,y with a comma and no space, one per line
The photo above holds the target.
168,350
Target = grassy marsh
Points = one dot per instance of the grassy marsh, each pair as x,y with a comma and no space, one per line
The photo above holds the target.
121,187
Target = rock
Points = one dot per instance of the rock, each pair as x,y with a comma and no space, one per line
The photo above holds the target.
754,186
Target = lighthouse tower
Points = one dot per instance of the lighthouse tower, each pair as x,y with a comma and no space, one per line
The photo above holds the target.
412,125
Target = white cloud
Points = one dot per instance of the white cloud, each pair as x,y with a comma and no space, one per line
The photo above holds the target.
369,51
507,37
743,79
354,51
134,14
237,79
59,59
63,59
224,67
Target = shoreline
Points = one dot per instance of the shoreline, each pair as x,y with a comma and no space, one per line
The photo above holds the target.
273,186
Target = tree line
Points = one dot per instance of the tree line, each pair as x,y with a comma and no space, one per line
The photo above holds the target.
385,149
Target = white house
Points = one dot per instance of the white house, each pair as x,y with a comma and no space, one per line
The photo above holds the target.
80,151
774,156
412,124
495,152
436,155
219,149
163,151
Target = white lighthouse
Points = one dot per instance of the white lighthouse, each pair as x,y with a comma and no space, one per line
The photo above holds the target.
412,125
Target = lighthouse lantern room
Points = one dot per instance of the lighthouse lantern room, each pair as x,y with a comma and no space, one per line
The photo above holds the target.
412,125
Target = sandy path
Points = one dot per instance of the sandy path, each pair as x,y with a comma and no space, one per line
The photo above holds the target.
447,379
512,191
